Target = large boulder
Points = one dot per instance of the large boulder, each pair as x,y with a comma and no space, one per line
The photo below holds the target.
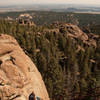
19,76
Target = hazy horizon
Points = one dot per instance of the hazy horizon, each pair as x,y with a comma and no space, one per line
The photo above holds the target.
24,2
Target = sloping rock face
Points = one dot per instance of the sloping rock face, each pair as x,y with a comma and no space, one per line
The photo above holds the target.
76,32
19,76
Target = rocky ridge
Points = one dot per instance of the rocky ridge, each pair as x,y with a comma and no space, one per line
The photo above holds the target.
74,32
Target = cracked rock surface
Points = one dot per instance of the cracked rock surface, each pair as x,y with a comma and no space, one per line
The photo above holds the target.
17,82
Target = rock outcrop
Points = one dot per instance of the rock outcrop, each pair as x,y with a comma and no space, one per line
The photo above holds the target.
73,31
19,76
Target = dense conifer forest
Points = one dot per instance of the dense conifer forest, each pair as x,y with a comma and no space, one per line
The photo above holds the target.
69,74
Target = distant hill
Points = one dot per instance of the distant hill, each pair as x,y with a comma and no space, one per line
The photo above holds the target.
48,17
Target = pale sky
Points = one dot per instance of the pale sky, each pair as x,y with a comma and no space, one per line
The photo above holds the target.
11,2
